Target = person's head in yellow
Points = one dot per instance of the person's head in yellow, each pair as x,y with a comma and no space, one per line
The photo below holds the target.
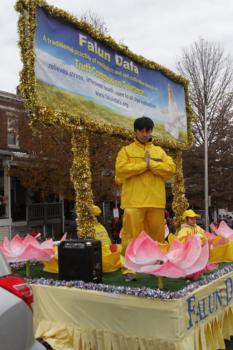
190,217
96,210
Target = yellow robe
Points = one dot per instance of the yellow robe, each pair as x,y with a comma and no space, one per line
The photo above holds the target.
110,261
142,186
188,230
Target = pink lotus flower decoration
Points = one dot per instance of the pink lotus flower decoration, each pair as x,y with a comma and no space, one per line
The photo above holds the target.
64,237
181,259
209,267
223,230
19,250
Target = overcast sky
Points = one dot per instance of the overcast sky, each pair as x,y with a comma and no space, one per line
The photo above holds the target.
155,29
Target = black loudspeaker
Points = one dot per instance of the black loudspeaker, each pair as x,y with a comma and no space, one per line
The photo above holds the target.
80,260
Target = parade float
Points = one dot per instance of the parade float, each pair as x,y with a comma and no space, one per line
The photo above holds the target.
76,77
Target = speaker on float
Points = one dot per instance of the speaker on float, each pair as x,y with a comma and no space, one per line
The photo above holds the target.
80,260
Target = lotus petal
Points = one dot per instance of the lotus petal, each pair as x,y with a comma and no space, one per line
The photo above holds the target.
29,248
201,262
187,254
182,258
15,245
224,230
64,237
132,265
168,269
208,267
143,250
172,270
38,254
47,244
6,252
6,244
29,239
138,241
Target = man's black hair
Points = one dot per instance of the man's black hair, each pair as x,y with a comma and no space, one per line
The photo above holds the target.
143,123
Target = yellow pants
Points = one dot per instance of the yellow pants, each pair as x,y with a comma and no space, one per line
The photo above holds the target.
136,220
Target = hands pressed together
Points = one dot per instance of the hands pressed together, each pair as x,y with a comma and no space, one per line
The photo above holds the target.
147,157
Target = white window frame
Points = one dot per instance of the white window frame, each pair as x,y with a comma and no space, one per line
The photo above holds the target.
11,120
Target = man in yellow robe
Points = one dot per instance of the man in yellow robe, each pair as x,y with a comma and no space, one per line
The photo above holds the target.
141,169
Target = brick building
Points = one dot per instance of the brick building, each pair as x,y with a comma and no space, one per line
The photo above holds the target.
16,202
12,194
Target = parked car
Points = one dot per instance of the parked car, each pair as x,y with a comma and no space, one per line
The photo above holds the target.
16,319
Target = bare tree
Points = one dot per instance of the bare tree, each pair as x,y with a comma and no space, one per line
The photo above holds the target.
96,21
209,71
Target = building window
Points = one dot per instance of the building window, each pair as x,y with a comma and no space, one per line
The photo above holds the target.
12,132
2,196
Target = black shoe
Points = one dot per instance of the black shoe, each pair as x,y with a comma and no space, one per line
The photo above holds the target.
130,277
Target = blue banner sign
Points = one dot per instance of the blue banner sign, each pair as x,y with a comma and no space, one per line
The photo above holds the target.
80,75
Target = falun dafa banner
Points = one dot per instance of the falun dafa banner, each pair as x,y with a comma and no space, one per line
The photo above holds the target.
76,72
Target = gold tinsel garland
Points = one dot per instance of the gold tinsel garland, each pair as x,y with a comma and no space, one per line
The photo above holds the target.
180,203
26,28
78,124
81,177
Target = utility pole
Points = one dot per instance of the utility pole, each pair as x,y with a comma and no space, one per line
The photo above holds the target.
206,171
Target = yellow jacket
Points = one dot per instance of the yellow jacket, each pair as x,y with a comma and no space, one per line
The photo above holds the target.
101,234
142,186
110,261
187,230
